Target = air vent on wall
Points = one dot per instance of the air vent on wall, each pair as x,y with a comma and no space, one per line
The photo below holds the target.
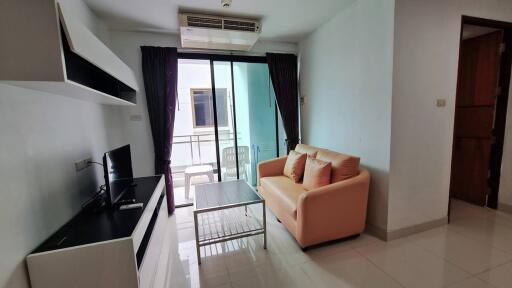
216,32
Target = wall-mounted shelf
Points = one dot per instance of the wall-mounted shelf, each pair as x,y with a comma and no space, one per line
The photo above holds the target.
50,51
73,90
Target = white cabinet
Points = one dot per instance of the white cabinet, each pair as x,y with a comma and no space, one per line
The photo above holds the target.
108,248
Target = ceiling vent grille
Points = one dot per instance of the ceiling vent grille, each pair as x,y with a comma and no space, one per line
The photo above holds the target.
204,22
238,25
217,32
218,22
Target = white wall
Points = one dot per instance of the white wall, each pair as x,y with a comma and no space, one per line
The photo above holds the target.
346,70
505,191
127,46
42,135
425,69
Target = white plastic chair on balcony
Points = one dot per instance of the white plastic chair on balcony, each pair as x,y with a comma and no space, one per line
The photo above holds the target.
229,162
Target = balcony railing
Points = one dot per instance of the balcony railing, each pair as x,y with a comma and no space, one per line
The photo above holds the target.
198,149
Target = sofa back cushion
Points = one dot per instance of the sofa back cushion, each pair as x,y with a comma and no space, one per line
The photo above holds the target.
343,166
294,167
317,173
306,149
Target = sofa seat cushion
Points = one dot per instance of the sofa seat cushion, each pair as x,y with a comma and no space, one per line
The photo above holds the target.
283,192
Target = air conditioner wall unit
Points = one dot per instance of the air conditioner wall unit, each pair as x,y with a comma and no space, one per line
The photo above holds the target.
216,32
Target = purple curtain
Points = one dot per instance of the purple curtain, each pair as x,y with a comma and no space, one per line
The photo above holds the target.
160,73
283,72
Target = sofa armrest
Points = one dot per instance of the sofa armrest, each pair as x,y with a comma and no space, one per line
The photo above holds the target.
273,167
333,209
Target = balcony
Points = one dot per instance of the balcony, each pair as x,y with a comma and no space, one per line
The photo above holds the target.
199,110
195,150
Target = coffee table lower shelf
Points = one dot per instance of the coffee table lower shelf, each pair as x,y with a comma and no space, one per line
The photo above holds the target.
226,223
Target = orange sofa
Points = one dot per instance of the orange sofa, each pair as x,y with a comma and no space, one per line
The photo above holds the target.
334,211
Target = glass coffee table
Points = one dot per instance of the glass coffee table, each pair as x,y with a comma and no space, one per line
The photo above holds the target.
224,211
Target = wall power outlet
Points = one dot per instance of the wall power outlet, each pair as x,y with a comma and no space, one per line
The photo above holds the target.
82,164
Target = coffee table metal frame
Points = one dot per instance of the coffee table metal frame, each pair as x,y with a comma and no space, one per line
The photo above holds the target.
225,236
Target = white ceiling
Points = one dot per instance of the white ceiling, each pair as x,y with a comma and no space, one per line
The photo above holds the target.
282,20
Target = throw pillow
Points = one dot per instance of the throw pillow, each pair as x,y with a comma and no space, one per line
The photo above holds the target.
317,173
294,167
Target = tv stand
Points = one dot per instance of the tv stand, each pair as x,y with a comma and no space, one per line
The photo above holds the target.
109,247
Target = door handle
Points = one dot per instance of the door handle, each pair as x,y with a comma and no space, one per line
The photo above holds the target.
255,154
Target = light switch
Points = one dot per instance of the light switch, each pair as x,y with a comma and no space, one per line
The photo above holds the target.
441,102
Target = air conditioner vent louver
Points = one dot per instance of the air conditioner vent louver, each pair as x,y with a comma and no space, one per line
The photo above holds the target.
204,22
239,25
218,32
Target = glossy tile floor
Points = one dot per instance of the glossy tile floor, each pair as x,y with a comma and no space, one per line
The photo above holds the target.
475,250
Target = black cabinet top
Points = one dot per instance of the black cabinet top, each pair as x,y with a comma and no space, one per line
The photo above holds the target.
105,224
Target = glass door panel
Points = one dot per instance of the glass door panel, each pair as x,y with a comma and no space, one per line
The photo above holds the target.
256,117
225,120
194,141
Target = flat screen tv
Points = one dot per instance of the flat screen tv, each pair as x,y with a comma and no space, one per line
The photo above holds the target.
117,166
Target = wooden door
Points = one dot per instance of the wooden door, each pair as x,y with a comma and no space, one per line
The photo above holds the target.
474,117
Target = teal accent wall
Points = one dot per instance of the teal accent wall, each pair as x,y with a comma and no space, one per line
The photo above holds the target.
255,112
262,114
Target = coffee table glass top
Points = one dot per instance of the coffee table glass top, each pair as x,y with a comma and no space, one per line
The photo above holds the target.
215,195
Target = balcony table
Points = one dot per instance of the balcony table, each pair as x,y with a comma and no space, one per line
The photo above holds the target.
199,170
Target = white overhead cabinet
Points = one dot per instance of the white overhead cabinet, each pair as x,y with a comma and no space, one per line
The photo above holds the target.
43,47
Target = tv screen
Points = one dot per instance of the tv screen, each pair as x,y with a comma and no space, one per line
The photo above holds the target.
117,166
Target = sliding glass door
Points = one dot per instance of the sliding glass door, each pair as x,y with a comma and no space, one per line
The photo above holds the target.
226,122
256,119
194,153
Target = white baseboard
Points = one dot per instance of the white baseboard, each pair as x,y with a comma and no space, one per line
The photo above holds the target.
507,208
386,235
376,231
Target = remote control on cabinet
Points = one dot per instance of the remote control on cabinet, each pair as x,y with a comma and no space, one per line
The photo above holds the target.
131,206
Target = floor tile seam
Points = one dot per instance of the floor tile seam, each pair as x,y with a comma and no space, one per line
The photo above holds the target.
444,258
380,269
479,241
492,268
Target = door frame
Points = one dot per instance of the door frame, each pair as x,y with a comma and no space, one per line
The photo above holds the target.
501,104
231,59
222,57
